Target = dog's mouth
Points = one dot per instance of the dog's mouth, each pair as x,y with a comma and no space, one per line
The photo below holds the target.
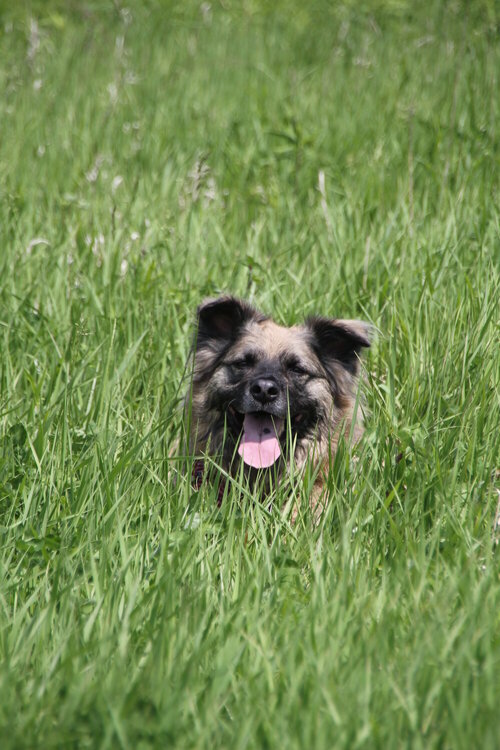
262,437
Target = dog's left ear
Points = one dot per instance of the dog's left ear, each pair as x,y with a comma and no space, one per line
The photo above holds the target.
339,340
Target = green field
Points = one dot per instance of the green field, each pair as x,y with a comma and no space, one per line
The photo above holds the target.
313,157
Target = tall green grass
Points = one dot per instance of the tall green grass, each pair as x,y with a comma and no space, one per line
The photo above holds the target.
338,158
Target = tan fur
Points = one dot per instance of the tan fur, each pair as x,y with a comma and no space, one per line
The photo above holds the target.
331,387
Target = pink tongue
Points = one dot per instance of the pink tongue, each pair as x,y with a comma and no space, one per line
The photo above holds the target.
259,446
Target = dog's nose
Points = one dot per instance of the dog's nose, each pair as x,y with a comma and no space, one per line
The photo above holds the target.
264,390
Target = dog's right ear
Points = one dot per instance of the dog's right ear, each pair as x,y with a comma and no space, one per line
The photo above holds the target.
220,320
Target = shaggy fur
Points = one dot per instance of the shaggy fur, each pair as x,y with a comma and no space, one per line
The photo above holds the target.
310,370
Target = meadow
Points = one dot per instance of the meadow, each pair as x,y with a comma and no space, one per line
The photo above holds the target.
331,158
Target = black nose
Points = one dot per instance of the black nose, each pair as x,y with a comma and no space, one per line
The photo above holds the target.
264,390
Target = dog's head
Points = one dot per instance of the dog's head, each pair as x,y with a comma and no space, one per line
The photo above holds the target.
255,382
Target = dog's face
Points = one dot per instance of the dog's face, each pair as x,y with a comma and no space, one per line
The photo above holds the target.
255,382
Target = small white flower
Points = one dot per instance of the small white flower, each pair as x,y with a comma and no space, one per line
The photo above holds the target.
126,16
34,242
113,92
40,150
206,12
119,45
34,40
37,84
131,78
97,244
210,193
193,521
135,236
92,174
123,267
117,181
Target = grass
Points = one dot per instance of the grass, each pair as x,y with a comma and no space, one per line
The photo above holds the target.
313,157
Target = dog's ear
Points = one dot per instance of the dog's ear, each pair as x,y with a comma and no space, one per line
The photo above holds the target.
220,320
339,341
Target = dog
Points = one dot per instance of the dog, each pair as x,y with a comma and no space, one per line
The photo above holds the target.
264,397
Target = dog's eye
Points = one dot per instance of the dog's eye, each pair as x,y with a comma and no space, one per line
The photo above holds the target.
247,361
295,367
238,364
